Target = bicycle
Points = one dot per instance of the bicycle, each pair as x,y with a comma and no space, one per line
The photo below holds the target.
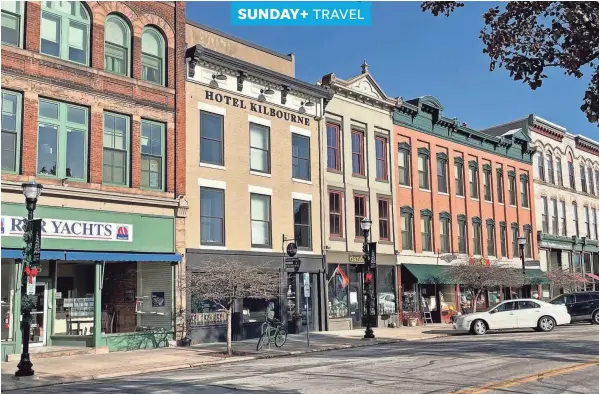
274,332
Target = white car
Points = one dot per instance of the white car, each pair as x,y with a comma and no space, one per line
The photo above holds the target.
520,313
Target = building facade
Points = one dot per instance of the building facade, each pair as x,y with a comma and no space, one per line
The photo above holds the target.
462,196
93,109
566,187
358,184
253,184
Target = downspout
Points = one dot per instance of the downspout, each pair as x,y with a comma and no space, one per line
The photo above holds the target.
325,292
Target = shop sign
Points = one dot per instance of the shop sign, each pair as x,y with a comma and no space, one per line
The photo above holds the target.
36,235
532,264
356,258
553,245
13,226
258,108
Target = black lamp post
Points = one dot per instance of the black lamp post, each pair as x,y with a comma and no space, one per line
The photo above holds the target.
31,191
522,243
365,224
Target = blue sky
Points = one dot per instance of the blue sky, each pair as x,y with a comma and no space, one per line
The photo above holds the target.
412,53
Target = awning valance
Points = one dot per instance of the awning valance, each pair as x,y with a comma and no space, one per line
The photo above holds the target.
95,256
429,273
45,255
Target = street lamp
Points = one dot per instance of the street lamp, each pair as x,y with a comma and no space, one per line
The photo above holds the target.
365,225
31,191
522,243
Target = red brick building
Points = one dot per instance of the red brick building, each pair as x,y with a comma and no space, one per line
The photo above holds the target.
461,195
93,108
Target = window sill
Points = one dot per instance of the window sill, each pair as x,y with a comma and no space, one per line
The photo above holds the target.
334,171
475,199
214,166
334,238
405,187
443,193
526,208
257,249
212,247
304,251
513,206
425,190
257,173
382,180
296,180
500,203
359,176
359,239
489,202
458,196
386,242
428,253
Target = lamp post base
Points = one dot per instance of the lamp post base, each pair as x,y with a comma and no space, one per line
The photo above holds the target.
369,334
24,367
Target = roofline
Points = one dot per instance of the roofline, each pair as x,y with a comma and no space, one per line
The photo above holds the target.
550,124
288,57
199,52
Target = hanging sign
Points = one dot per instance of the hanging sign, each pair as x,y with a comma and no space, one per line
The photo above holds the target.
36,235
31,281
372,251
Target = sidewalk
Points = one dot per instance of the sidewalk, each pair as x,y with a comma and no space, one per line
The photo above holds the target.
50,371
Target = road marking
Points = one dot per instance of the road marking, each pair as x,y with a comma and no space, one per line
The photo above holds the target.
526,379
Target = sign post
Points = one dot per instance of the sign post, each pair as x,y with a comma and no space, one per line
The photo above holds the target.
307,297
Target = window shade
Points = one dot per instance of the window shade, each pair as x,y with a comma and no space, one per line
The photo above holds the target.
259,206
150,44
11,6
115,33
77,36
9,22
258,137
49,29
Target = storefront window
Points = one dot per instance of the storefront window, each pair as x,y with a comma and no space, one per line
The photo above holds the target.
8,299
588,268
74,314
386,289
409,298
338,282
205,313
254,310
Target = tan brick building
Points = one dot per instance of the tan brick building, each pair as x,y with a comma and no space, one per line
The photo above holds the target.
93,109
253,175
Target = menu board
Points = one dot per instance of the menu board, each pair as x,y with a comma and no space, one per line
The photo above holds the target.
79,307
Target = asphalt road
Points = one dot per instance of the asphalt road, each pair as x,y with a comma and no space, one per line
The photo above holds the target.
495,363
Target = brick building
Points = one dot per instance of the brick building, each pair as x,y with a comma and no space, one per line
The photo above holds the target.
93,108
461,195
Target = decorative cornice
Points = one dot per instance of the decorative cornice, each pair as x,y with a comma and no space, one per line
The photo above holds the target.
502,224
514,225
487,167
424,151
458,160
284,93
499,171
586,145
541,126
442,156
476,220
462,218
426,212
403,146
445,215
241,76
473,164
527,227
490,222
406,209
524,177
511,174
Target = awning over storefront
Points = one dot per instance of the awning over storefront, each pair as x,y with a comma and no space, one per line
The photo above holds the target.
117,256
536,276
429,273
45,255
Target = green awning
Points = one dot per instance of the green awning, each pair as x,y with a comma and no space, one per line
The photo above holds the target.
537,277
429,273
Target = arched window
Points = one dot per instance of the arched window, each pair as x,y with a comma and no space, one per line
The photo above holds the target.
541,167
64,31
152,56
550,174
116,45
12,24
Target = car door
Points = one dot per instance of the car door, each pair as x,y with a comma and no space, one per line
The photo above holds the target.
503,316
582,305
568,301
528,314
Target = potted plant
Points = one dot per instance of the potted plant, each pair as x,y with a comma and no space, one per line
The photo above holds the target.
411,319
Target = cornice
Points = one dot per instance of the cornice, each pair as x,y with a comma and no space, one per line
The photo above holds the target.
462,218
442,156
476,220
403,146
546,128
338,88
586,145
445,215
426,212
423,151
406,209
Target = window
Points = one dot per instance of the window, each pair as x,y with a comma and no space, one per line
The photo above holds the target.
11,129
403,158
259,148
595,224
506,307
587,221
512,189
500,187
571,175
425,230
406,230
473,182
490,238
62,140
503,239
528,305
333,147
462,236
152,155
442,174
212,138
212,216
359,213
591,182
301,157
357,152
380,145
541,162
560,177
152,56
575,218
515,235
117,39
445,236
487,185
423,171
545,215
550,174
64,31
302,219
458,169
116,149
384,222
260,218
554,218
597,180
476,237
563,220
583,179
11,23
335,213
528,246
524,191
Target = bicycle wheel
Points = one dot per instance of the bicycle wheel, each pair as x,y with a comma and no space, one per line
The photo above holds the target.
262,341
263,328
280,337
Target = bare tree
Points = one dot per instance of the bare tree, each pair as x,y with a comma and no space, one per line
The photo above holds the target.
223,282
564,279
479,277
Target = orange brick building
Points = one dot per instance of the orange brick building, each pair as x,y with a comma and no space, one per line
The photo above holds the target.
461,196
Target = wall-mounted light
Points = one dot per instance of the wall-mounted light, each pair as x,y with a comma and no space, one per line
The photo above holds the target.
309,103
261,97
268,91
213,83
220,76
302,109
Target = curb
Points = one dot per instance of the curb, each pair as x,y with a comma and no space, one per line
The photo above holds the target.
66,379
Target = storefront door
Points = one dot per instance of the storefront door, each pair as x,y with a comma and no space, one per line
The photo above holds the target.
355,296
37,333
306,303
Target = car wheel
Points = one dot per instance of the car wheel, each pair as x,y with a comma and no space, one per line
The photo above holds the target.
546,324
479,327
596,317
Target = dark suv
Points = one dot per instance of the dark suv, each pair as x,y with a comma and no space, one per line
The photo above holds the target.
581,306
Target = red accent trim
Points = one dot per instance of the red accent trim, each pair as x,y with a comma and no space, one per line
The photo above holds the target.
596,277
548,133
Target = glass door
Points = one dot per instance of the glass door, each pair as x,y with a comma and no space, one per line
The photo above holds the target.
306,303
37,333
355,295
